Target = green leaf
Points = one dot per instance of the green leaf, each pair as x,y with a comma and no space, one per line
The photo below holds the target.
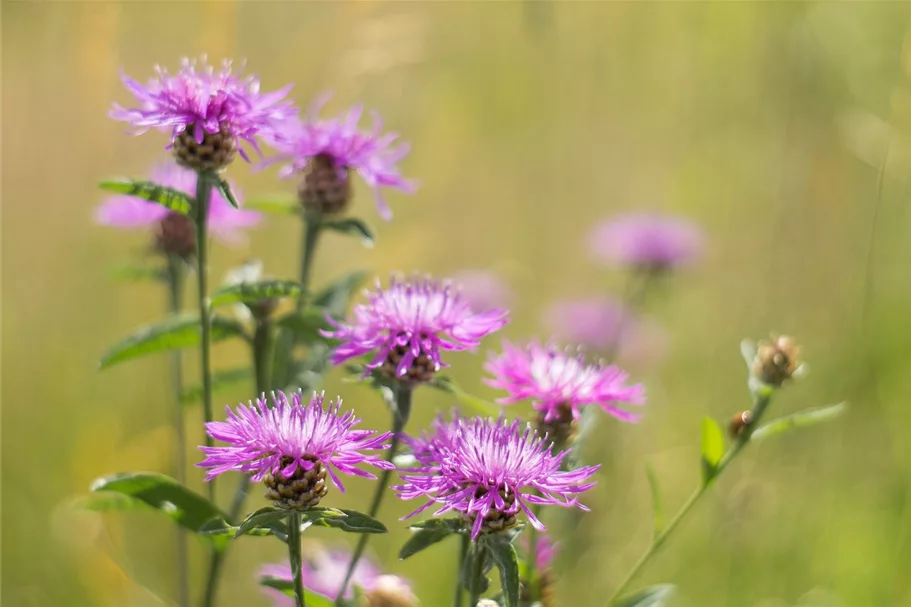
351,227
504,556
252,292
136,273
263,519
287,586
480,405
175,200
182,331
164,494
221,381
219,528
428,533
653,596
225,188
336,296
275,206
801,419
712,448
109,501
657,509
307,325
351,521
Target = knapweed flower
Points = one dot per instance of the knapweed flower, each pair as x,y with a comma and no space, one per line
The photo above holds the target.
559,384
483,289
597,323
323,573
487,471
326,151
207,112
646,241
292,446
175,233
406,326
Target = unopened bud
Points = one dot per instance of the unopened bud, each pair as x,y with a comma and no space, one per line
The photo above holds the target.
776,360
325,188
390,591
739,422
176,235
561,430
213,155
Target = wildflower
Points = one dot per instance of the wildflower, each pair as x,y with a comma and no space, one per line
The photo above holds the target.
175,233
207,112
487,471
292,447
323,573
325,152
559,384
597,323
647,241
406,326
483,289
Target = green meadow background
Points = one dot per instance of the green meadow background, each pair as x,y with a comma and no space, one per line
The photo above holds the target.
780,127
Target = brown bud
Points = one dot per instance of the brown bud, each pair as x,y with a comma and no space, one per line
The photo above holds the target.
739,422
216,151
301,491
325,188
176,235
390,591
776,360
560,430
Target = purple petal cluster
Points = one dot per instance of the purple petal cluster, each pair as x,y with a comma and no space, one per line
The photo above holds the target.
371,154
553,379
545,550
646,240
478,467
291,435
412,320
128,212
197,96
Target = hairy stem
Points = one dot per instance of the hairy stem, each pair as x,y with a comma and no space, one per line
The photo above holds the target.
294,554
399,419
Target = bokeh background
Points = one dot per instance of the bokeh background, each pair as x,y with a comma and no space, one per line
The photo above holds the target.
780,127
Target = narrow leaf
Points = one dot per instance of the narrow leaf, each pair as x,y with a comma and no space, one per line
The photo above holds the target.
657,509
136,273
351,521
427,534
218,528
225,188
351,227
181,331
480,405
712,448
175,200
801,419
252,292
221,381
336,296
263,519
504,556
653,596
164,494
307,325
287,586
275,206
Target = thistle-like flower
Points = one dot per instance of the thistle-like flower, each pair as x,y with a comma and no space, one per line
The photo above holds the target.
560,384
646,241
175,233
323,573
292,447
406,326
325,152
207,112
487,471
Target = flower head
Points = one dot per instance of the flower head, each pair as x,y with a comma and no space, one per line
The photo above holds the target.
488,470
327,150
561,383
292,442
650,241
596,323
203,103
406,326
127,212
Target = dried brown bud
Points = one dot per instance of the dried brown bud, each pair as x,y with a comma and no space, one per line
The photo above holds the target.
214,154
390,591
325,188
739,422
776,360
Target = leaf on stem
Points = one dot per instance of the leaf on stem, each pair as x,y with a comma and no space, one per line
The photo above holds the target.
225,190
287,587
351,521
351,227
428,533
657,508
163,493
801,419
182,331
504,557
175,200
262,521
252,292
275,206
712,448
653,596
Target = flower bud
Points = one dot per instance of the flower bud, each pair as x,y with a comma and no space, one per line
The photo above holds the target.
561,430
390,591
325,188
776,360
213,155
176,235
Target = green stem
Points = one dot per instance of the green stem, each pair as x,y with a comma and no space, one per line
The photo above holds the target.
294,554
399,419
477,572
216,560
312,228
203,194
762,402
175,297
459,587
531,557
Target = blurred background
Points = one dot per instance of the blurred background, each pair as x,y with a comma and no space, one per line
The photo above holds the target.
781,128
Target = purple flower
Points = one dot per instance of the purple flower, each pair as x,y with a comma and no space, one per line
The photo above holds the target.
206,100
545,550
291,438
406,326
343,147
644,240
488,471
483,289
127,212
597,323
556,380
